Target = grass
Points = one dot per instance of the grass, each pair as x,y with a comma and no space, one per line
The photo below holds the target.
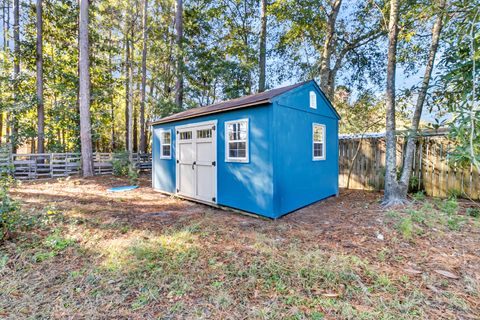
426,215
214,266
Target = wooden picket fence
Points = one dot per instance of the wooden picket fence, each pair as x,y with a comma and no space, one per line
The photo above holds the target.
53,165
432,172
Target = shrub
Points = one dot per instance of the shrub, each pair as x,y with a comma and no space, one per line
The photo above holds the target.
133,175
120,164
9,216
123,168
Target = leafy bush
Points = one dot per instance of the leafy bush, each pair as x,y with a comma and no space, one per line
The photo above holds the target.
123,168
9,215
120,164
133,175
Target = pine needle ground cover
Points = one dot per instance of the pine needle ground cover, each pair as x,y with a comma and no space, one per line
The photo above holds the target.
87,253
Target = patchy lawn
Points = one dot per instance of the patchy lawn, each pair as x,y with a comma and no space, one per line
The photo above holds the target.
86,253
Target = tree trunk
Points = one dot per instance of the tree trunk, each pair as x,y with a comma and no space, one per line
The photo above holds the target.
412,137
135,130
39,60
326,78
112,104
130,94
393,190
127,85
16,73
179,40
84,103
263,47
143,141
5,28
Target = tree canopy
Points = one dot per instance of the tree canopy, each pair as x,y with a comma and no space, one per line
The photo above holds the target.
134,54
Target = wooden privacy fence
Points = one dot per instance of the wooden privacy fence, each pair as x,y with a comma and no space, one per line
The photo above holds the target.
52,165
431,170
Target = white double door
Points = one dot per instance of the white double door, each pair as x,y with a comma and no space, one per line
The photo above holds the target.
196,166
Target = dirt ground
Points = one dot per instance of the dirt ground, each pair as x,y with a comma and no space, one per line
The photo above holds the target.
341,258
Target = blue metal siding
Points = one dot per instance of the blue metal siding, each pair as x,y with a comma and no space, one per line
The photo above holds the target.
281,175
246,186
299,180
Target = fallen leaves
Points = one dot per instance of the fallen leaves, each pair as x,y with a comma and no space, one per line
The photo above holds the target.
412,271
447,274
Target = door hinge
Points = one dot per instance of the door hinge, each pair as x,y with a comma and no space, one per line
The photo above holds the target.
213,128
214,199
178,132
214,163
178,190
178,161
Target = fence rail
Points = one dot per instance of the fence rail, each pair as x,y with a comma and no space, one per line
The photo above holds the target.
53,165
431,170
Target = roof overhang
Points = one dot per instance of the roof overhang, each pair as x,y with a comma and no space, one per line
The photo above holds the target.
174,118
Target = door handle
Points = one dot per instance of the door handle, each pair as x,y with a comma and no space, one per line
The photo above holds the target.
193,165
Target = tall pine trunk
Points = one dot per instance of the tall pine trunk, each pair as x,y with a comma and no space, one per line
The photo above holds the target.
263,47
16,73
393,190
179,40
130,93
143,140
39,80
113,144
127,83
412,137
84,103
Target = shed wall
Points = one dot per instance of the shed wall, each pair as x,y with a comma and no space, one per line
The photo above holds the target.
246,186
300,181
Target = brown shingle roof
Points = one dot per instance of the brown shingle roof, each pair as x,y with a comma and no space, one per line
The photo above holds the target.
242,102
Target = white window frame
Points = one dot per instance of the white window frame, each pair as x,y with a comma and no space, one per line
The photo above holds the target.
313,100
245,159
162,132
324,149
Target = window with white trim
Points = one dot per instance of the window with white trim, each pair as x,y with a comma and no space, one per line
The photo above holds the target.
165,144
318,141
236,141
313,100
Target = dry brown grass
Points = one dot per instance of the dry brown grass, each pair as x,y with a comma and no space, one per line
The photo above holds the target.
140,254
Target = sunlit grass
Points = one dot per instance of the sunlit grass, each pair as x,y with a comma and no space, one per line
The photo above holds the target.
142,249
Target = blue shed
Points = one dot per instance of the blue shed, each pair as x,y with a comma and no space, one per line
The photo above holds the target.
269,153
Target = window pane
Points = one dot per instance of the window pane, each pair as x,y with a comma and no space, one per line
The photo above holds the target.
186,135
237,149
166,137
241,145
241,153
205,133
318,133
237,131
318,149
166,150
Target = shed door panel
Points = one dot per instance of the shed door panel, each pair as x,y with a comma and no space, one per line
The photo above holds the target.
205,169
196,167
185,159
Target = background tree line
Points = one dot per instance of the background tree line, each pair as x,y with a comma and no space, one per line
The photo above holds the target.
118,63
